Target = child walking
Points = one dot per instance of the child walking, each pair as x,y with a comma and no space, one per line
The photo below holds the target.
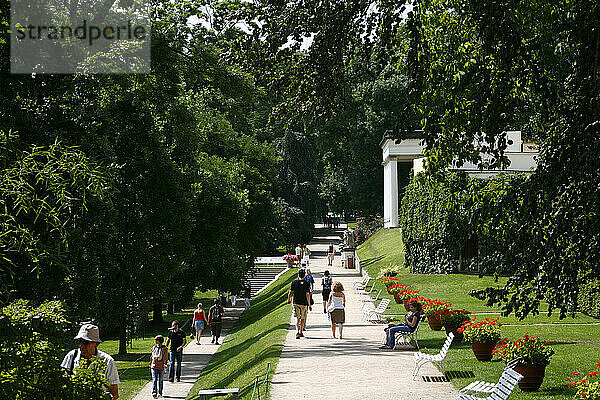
158,361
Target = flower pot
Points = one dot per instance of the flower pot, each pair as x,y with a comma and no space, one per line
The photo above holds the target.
398,299
483,351
290,263
533,376
434,322
391,274
406,303
458,336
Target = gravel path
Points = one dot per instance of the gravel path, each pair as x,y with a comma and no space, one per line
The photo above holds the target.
319,366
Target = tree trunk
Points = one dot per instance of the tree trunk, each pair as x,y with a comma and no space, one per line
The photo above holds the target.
122,335
157,312
171,307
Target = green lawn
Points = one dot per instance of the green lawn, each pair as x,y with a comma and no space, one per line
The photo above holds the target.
255,339
133,367
577,347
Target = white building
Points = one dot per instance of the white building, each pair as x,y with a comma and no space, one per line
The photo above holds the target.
522,157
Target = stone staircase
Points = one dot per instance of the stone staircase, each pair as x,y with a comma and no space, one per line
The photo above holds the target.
262,276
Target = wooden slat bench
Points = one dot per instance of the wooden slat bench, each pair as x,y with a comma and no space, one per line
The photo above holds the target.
204,394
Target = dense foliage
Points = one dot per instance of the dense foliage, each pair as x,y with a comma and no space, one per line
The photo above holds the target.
32,345
503,65
366,227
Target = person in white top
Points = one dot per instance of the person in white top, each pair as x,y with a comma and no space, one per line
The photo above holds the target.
88,340
336,307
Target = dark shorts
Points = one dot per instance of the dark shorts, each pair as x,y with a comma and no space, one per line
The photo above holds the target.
338,316
326,294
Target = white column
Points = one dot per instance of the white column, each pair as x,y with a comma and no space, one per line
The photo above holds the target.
390,194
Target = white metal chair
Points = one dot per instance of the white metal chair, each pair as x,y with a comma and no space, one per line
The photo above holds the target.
371,299
482,387
405,338
365,292
438,359
362,282
501,391
362,287
376,312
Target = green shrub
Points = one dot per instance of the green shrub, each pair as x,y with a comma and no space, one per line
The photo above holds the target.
589,298
366,227
31,349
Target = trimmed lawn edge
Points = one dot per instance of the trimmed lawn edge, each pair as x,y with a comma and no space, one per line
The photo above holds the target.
256,338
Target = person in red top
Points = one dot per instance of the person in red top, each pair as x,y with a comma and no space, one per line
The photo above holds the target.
158,361
199,322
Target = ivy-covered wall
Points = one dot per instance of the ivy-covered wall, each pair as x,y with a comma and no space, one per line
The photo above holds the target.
452,221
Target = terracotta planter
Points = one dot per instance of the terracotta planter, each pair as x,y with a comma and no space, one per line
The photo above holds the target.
458,337
533,376
406,302
434,323
398,299
483,351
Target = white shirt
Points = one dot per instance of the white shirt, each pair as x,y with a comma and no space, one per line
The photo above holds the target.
110,372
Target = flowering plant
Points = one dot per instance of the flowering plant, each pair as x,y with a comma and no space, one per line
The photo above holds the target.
289,257
389,281
407,294
452,319
396,288
487,330
433,307
588,387
531,349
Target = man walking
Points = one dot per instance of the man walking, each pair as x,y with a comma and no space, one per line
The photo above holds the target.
177,340
301,291
88,340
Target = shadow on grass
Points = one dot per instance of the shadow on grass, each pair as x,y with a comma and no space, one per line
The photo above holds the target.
368,261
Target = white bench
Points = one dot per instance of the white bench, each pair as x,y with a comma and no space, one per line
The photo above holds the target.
482,387
436,359
501,391
218,392
405,338
376,312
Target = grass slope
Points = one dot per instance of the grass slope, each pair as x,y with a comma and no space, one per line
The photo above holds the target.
577,346
255,339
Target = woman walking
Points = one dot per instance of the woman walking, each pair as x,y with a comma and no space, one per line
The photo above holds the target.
336,306
199,322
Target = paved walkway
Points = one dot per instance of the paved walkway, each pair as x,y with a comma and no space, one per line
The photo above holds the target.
195,358
319,366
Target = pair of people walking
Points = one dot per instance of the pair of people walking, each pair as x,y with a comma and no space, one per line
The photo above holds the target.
334,302
214,320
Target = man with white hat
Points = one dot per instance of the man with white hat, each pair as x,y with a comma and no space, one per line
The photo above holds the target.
88,340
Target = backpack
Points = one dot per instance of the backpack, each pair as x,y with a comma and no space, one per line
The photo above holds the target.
216,314
157,353
326,283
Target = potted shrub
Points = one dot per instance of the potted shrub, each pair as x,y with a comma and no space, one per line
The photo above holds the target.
389,271
290,259
452,320
389,281
432,308
405,295
535,355
395,289
588,385
483,336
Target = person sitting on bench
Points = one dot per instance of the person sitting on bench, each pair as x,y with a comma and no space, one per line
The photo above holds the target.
411,320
